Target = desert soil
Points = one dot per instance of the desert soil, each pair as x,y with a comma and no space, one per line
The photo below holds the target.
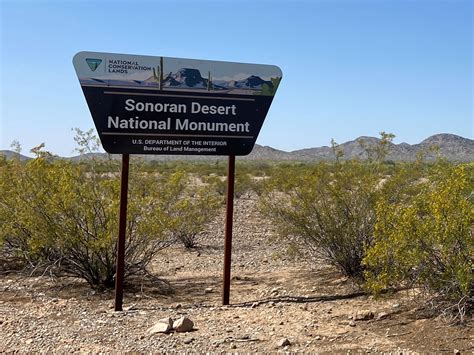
276,294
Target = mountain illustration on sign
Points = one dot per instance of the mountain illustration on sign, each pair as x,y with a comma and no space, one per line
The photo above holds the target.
191,79
252,82
186,77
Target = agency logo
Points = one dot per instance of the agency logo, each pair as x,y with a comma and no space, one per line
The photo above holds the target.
93,63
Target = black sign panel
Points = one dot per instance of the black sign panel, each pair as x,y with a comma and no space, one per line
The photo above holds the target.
137,109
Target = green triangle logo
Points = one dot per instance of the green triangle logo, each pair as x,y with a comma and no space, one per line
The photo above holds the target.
93,63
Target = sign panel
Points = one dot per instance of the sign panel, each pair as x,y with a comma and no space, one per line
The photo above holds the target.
162,105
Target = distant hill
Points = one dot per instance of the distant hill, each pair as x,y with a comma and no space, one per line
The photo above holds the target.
449,146
10,155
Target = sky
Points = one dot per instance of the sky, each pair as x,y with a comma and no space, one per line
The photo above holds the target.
350,67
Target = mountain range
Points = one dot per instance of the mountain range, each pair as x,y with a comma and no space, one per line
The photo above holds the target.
449,146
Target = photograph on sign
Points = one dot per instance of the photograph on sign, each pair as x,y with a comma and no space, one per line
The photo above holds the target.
163,105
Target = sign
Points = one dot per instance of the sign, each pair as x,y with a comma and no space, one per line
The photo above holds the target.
162,105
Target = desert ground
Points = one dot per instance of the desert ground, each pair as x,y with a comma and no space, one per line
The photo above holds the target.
281,301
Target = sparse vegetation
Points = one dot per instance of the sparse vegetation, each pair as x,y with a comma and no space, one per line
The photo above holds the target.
61,217
384,224
387,225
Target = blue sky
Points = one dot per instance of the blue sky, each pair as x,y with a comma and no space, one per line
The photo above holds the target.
350,68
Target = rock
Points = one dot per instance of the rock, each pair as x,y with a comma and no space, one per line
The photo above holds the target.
283,342
352,323
456,352
208,290
363,315
183,324
382,315
164,325
188,340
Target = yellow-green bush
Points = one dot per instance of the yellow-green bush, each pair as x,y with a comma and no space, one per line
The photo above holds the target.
330,208
191,208
425,238
63,216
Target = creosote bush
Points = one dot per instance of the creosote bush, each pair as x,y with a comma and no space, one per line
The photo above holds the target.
244,184
192,208
388,226
426,239
63,217
330,208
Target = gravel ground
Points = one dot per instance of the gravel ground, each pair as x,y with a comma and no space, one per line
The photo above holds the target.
275,295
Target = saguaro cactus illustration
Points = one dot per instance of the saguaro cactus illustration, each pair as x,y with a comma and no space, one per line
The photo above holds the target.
270,88
158,74
209,81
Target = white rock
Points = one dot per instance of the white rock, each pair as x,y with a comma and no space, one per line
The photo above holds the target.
188,340
164,325
183,324
283,342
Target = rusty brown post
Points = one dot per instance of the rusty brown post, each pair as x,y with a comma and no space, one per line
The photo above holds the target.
120,266
228,229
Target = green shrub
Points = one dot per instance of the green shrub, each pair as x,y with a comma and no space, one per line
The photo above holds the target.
425,239
330,208
216,183
64,217
191,209
244,184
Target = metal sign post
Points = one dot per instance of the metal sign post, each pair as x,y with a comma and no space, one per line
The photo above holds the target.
120,269
228,230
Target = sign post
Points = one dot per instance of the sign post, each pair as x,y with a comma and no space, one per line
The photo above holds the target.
120,262
229,217
162,105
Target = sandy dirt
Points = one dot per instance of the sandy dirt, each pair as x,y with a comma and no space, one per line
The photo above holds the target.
276,294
